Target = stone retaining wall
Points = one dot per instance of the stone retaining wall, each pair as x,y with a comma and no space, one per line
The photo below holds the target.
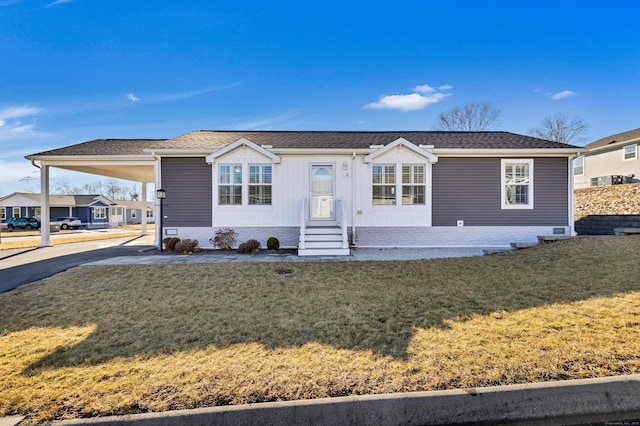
598,210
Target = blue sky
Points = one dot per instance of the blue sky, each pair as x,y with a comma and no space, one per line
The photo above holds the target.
77,70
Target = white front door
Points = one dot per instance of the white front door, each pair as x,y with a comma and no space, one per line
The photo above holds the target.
322,183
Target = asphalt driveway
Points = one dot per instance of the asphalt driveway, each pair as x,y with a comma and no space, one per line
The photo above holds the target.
19,267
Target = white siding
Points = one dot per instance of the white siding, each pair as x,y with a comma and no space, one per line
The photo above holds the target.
607,163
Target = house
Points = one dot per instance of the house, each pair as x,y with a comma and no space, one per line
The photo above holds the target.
134,209
609,161
327,191
94,211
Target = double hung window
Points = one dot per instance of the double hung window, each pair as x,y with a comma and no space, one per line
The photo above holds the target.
230,184
384,184
578,166
517,184
630,152
260,183
99,212
413,184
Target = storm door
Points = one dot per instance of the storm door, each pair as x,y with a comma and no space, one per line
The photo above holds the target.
322,184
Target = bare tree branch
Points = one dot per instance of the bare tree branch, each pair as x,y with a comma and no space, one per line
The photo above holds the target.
471,117
561,128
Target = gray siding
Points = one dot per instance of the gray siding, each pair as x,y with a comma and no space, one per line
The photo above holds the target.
188,185
469,189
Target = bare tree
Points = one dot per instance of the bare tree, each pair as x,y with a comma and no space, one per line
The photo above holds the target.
470,117
561,128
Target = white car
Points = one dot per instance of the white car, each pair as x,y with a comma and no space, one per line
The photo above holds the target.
67,222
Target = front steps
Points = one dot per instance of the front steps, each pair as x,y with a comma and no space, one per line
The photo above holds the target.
542,239
323,241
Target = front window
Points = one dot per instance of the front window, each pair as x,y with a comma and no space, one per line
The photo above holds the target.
517,184
149,213
99,212
630,152
578,166
16,212
384,184
260,183
3,213
134,214
230,184
413,184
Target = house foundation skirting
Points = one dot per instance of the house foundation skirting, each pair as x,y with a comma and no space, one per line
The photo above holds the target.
452,236
409,236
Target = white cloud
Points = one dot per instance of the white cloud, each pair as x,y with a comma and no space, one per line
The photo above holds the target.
425,95
19,112
132,97
445,87
563,94
58,2
424,89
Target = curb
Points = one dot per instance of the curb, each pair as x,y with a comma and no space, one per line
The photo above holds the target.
609,399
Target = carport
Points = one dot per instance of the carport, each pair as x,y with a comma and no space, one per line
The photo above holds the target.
128,159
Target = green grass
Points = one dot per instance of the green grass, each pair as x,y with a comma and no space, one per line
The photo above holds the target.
106,340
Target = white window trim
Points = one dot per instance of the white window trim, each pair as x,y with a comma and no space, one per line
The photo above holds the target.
134,214
244,185
503,184
574,165
102,215
399,184
16,212
3,213
635,152
395,185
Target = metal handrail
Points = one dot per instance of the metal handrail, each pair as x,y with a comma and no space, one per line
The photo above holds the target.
340,216
303,222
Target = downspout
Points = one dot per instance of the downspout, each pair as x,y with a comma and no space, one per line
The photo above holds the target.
353,199
571,196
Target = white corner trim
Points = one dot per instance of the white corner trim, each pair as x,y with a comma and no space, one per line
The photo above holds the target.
211,158
401,142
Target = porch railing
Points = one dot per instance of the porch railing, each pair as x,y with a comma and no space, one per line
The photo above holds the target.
304,220
341,214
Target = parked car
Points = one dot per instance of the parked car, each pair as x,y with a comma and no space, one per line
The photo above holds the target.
67,222
23,223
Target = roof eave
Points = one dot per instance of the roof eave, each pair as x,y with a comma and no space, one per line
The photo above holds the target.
511,152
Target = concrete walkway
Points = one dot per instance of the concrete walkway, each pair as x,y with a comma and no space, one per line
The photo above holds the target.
357,254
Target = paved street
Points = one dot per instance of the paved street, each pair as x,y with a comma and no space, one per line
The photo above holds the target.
22,266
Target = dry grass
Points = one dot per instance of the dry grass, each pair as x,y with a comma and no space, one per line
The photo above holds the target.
105,340
7,244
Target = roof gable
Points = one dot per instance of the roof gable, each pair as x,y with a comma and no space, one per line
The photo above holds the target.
240,143
401,142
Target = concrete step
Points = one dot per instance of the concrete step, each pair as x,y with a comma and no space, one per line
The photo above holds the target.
324,252
497,250
626,231
552,238
519,246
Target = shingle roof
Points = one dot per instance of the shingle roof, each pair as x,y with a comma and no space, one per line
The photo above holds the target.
203,140
105,147
618,137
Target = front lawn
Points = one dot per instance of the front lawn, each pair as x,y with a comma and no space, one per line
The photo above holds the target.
127,339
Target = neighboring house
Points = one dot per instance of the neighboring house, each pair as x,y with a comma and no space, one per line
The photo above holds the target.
324,192
610,160
94,211
134,210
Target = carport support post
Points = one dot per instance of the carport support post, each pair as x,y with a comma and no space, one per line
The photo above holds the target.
45,239
143,219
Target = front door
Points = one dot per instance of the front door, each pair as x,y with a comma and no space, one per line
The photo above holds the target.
322,179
